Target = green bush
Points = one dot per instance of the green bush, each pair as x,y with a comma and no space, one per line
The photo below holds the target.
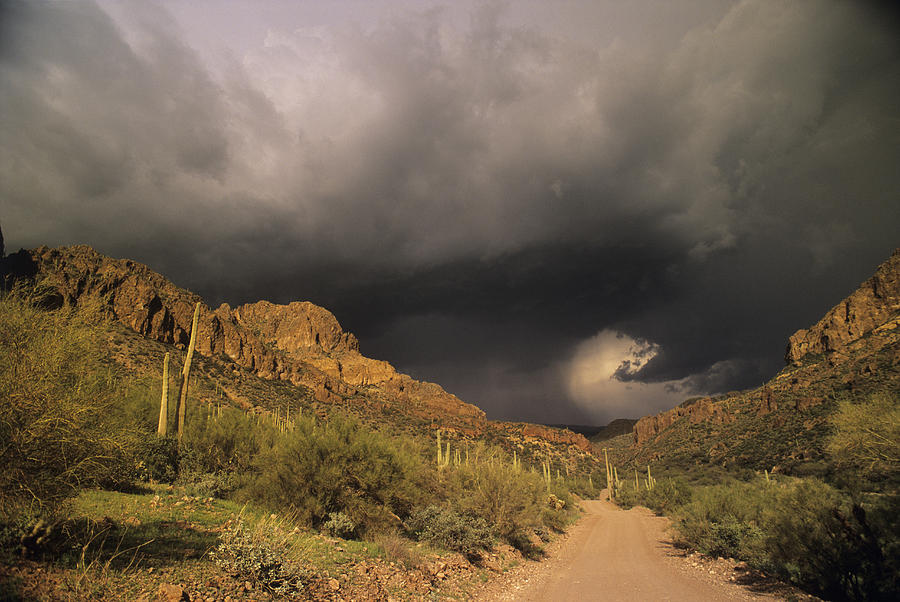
450,530
230,443
260,553
157,458
397,548
338,466
825,541
510,501
667,495
211,484
60,424
628,496
558,509
725,520
339,525
803,531
865,441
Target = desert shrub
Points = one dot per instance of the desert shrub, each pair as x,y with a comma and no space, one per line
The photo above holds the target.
260,553
227,444
802,530
667,495
553,519
866,437
339,525
582,487
510,501
731,538
398,549
628,496
59,425
211,484
825,541
725,520
882,516
558,509
338,466
157,458
450,530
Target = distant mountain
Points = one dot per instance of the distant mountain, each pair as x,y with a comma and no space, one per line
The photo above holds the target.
853,350
581,429
299,345
597,434
616,428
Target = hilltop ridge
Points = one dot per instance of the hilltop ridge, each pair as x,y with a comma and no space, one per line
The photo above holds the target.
298,343
853,350
868,307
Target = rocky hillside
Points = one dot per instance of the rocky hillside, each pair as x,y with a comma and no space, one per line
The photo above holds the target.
853,350
299,343
871,306
616,428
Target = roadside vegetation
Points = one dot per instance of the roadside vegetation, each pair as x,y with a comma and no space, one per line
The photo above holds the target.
839,539
77,431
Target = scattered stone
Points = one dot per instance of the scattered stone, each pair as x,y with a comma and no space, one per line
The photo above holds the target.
172,593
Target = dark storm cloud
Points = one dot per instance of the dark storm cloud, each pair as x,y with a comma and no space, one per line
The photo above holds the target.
498,208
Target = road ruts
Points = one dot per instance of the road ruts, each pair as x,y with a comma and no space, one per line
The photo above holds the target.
619,555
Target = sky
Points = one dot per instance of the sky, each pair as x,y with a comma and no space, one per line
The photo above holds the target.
562,212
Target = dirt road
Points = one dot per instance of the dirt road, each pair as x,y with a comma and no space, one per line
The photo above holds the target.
612,554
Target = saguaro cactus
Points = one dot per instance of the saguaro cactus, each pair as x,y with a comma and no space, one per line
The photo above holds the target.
440,451
185,375
443,453
610,487
162,427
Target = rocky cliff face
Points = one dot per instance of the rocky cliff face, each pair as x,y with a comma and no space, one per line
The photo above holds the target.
555,435
871,305
855,347
703,410
299,342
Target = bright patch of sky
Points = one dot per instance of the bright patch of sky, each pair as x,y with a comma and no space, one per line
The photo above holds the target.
592,383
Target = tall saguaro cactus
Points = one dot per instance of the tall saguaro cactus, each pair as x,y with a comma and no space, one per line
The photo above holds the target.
185,375
610,487
163,425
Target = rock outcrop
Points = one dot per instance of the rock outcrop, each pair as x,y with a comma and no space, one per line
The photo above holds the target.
870,306
855,347
558,436
299,342
703,410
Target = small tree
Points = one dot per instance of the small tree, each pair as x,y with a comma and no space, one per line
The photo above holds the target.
59,425
866,436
